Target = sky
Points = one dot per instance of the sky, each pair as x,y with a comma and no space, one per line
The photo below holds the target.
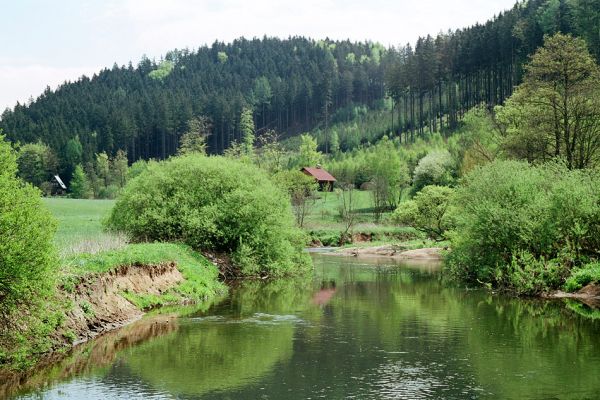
46,42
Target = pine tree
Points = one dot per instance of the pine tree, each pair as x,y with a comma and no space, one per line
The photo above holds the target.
80,184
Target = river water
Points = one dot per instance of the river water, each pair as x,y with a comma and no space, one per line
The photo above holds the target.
357,330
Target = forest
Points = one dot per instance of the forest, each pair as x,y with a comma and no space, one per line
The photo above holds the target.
291,86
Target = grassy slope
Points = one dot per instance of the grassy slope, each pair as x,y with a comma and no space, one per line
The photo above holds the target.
86,249
79,222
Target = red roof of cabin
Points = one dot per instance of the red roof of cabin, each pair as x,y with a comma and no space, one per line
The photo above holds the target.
319,174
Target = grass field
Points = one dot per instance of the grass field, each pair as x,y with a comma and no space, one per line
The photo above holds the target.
80,225
323,223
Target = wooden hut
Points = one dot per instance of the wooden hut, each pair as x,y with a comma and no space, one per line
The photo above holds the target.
58,186
323,178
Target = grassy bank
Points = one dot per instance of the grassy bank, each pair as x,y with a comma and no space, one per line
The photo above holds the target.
323,223
87,254
201,276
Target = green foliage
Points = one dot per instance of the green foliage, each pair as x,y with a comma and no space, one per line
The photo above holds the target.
222,57
436,168
137,168
580,277
119,169
247,128
164,69
194,139
80,187
27,257
300,187
214,203
308,155
36,163
73,152
427,212
388,175
524,227
554,113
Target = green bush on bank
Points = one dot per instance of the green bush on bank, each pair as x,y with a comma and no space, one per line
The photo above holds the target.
427,212
523,227
27,263
583,276
27,256
217,204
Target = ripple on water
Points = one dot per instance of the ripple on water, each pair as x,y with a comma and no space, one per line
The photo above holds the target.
256,319
402,380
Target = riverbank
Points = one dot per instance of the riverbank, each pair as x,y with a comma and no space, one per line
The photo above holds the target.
97,293
392,251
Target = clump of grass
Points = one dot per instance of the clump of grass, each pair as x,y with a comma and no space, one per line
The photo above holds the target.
102,243
589,273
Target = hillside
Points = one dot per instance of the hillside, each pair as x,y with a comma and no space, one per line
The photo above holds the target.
290,84
295,85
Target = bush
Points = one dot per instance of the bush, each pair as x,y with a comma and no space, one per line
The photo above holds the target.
27,257
436,168
427,212
581,277
217,204
513,220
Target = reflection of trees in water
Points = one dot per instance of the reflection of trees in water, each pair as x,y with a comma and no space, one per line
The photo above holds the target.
512,347
205,357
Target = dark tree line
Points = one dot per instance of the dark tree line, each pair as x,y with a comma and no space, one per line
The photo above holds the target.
435,83
290,85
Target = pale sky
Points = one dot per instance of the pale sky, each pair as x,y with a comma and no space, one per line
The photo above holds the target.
45,42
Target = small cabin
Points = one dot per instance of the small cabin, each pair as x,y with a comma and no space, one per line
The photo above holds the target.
323,178
58,186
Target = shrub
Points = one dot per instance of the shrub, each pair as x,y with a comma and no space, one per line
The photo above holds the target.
513,220
436,168
580,277
27,257
217,204
427,212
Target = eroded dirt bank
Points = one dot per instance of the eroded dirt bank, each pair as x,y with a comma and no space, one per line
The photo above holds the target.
98,300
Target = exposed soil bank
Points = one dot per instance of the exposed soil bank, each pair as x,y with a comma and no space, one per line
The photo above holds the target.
432,254
589,295
98,302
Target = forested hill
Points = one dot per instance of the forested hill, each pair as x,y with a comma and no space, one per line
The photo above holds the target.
437,81
293,85
290,84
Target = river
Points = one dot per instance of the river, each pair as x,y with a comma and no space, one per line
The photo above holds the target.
359,329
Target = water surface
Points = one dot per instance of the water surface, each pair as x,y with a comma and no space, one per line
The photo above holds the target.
358,329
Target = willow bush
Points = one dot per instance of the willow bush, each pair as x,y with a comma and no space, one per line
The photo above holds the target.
27,256
524,228
215,204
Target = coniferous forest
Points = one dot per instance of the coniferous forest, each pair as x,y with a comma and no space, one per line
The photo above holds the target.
292,86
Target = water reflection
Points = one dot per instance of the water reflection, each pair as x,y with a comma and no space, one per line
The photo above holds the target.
359,329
